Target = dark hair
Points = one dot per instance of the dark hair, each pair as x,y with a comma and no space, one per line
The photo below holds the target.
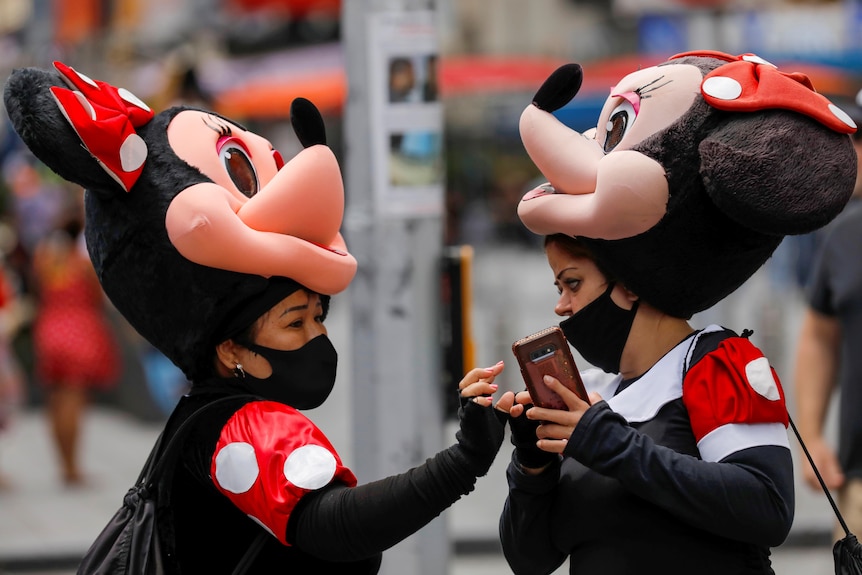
576,248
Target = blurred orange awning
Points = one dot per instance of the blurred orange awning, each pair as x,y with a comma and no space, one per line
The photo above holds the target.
271,99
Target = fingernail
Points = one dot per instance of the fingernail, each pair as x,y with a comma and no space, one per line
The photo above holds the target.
494,385
548,379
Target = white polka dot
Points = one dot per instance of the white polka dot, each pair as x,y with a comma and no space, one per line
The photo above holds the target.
132,99
310,467
842,115
236,467
133,153
722,87
85,78
85,104
757,60
760,378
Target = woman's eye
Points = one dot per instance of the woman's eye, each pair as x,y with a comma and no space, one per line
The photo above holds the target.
240,169
622,117
573,285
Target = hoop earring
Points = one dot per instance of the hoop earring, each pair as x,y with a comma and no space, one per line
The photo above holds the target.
238,372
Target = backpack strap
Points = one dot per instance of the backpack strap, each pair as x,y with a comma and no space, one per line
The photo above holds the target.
159,460
705,342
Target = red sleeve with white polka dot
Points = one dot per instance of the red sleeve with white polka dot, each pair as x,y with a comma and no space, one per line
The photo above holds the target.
268,457
734,400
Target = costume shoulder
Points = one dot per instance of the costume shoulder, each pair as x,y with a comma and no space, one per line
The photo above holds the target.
733,396
264,473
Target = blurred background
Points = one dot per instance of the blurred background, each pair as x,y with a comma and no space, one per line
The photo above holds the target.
247,59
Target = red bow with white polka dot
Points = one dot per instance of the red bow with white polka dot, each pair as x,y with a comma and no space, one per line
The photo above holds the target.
748,83
105,119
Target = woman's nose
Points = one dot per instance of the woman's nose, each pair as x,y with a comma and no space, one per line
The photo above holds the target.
564,306
315,329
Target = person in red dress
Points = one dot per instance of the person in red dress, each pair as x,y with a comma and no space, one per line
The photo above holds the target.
73,344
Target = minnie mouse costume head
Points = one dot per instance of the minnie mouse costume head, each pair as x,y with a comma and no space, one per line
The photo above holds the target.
188,214
697,169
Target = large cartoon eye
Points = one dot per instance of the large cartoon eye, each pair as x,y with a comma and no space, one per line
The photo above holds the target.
235,157
622,117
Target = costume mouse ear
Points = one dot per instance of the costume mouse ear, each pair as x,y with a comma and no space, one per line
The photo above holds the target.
792,179
82,129
105,119
307,123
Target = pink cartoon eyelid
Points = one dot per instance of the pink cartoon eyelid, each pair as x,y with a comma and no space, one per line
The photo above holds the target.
631,97
225,140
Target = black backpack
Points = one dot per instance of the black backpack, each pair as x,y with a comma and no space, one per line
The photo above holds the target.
129,543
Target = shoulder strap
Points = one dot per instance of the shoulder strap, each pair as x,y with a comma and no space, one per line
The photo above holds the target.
706,341
819,477
158,459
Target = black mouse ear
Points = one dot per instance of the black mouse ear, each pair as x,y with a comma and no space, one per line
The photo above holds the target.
307,123
40,123
560,87
750,179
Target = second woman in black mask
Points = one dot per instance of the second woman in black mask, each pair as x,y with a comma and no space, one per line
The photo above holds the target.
680,464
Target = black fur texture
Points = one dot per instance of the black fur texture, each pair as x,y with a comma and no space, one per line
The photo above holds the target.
739,182
173,303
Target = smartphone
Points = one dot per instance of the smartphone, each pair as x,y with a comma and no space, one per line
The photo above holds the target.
547,353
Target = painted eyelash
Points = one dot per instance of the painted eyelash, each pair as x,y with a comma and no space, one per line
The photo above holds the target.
643,93
218,126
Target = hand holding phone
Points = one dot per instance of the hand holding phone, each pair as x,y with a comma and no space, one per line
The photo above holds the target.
547,353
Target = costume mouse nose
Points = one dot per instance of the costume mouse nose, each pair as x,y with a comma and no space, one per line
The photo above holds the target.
559,88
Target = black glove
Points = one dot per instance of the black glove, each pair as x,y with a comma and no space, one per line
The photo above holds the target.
481,434
524,439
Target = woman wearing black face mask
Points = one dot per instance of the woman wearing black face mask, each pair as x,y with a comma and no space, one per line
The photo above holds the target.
193,224
260,458
680,465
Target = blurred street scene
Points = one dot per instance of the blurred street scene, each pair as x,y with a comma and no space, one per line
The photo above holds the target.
44,526
248,59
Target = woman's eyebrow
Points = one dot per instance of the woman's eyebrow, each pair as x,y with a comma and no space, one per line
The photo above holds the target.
301,307
559,275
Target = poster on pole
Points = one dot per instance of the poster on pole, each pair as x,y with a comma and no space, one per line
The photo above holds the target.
406,114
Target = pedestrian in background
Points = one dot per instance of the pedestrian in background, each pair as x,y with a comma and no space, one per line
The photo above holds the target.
828,357
74,348
11,377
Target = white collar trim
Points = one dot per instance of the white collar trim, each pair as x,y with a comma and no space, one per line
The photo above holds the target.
643,399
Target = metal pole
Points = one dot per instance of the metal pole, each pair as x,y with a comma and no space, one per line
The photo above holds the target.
396,410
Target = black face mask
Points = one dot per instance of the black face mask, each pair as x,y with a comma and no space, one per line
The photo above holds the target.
599,331
302,378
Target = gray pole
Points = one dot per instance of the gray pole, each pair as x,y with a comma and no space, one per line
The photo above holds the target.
396,405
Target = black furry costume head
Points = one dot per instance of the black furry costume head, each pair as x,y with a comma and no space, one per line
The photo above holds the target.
726,185
174,303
